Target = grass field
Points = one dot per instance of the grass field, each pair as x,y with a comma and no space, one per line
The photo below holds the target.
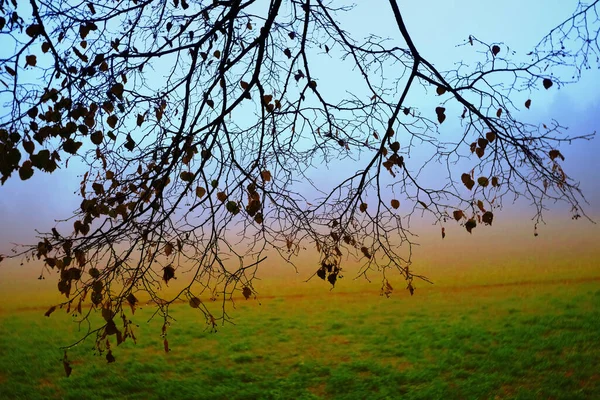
534,340
522,323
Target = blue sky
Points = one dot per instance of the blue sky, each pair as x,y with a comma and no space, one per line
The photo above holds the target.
436,29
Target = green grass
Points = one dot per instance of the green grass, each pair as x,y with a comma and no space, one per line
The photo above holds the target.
513,341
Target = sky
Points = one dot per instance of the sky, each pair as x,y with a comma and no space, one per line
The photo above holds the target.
436,30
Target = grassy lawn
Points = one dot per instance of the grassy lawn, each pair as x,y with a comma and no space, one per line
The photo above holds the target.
519,341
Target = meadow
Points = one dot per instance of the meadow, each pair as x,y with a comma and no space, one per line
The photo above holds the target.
535,340
520,325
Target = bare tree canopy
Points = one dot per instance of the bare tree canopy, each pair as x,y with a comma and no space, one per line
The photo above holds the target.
207,129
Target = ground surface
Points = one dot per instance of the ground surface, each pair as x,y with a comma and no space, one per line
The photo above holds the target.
527,339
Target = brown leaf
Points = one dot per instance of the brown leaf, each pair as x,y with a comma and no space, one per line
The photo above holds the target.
395,204
470,225
480,205
443,232
495,181
10,70
441,116
222,196
440,90
34,30
499,113
321,273
363,207
556,153
132,300
50,311
266,175
495,50
31,60
490,136
109,357
168,249
166,345
547,83
528,103
487,218
67,367
186,176
200,192
483,181
117,89
467,181
195,302
168,273
112,121
247,292
458,215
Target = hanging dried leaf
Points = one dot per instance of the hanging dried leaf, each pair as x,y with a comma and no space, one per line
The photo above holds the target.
247,292
547,83
470,224
363,207
440,90
186,176
67,365
50,311
556,153
441,116
443,232
495,50
483,181
31,60
132,301
395,204
458,215
467,181
490,136
168,249
321,273
495,181
200,192
222,196
528,103
266,175
487,218
112,121
168,273
117,89
332,278
195,302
